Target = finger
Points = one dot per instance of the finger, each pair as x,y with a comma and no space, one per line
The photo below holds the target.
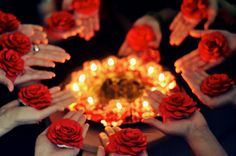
76,116
175,21
82,119
101,151
212,64
104,138
144,153
52,56
48,111
36,27
156,96
109,130
39,62
96,22
69,115
211,18
85,129
11,104
199,33
175,33
155,123
123,50
64,97
65,103
7,82
116,129
61,94
54,90
49,47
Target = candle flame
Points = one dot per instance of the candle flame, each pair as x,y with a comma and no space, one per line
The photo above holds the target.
90,100
145,103
82,78
161,77
172,85
119,105
110,62
133,61
93,67
75,87
71,107
151,70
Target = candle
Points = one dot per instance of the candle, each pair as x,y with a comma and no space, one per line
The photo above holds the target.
75,87
82,78
90,100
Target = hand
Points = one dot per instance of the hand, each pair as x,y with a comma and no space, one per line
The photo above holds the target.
34,32
46,148
194,80
155,98
184,128
5,81
126,50
193,61
88,24
181,25
12,115
105,139
45,57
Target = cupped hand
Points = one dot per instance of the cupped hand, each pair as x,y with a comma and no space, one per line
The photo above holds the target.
181,25
193,61
46,148
126,50
104,137
194,80
183,127
34,32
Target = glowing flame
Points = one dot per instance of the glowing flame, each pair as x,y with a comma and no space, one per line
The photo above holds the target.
132,61
90,100
82,78
71,107
151,70
172,85
75,87
161,77
145,103
119,105
93,67
110,62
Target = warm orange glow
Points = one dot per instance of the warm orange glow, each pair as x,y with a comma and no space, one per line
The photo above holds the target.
90,100
71,107
93,67
145,103
161,77
82,78
133,61
119,105
110,62
151,70
75,87
172,85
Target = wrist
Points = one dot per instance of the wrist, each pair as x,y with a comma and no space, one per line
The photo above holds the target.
7,123
198,134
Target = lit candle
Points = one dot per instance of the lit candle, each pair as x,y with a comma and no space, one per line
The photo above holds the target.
172,85
151,70
75,87
90,100
71,107
110,62
119,106
82,78
93,67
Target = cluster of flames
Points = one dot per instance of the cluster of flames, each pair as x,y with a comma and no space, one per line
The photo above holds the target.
96,84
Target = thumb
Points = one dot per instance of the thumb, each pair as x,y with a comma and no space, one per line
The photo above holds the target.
210,20
7,82
101,151
49,110
197,33
155,123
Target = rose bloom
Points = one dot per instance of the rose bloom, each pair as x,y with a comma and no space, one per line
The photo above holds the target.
177,106
86,7
127,141
17,41
36,96
66,133
60,21
8,22
151,55
212,46
216,84
139,37
11,63
195,9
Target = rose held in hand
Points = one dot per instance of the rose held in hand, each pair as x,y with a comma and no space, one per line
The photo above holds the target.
212,46
177,106
61,21
66,133
36,95
17,41
127,141
195,9
139,37
11,63
8,22
216,84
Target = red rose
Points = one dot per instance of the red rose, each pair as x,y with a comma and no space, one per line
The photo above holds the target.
8,22
86,7
17,41
60,21
177,106
11,62
195,9
111,116
213,46
216,84
127,141
36,95
139,37
151,55
66,133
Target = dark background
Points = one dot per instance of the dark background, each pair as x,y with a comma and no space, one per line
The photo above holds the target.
117,17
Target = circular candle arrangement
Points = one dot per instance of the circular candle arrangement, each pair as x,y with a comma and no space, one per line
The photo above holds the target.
113,91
